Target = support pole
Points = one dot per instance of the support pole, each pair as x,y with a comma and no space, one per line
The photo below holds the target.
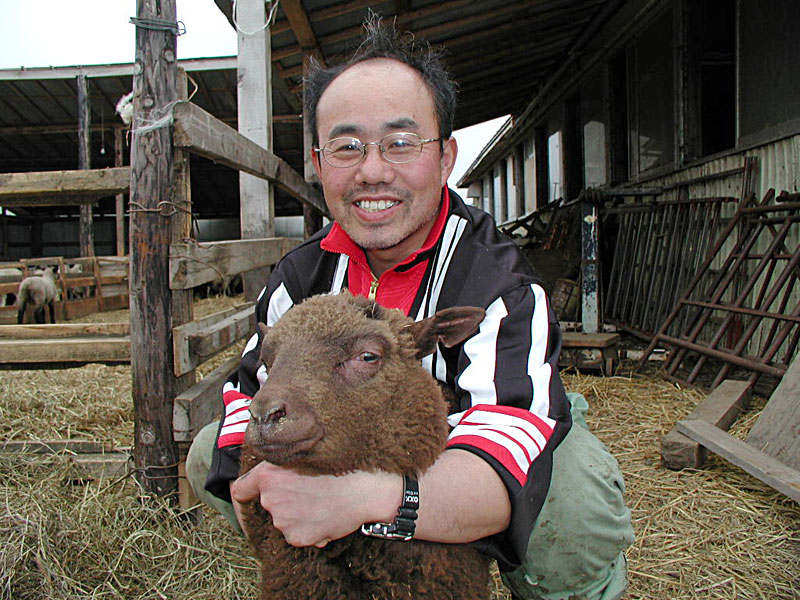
312,218
254,70
590,313
119,212
85,229
152,181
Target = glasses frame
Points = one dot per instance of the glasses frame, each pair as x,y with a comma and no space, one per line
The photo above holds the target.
321,151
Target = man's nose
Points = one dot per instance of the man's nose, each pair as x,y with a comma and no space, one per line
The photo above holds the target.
374,168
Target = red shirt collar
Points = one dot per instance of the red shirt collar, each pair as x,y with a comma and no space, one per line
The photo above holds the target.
340,242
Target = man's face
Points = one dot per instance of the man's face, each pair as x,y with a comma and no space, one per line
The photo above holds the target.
386,208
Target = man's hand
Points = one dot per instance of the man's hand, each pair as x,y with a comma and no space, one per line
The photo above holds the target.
314,510
462,499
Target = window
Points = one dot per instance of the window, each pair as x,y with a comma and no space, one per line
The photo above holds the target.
650,98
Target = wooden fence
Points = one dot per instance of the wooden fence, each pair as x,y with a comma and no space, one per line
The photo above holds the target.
98,284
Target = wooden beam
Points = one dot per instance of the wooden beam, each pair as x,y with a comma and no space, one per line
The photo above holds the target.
64,330
56,447
301,26
191,265
777,430
201,133
759,464
68,188
720,408
65,350
196,342
198,406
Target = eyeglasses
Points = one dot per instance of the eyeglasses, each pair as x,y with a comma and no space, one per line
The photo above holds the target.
396,148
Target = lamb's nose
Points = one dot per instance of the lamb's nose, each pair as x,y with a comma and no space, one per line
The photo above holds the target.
271,414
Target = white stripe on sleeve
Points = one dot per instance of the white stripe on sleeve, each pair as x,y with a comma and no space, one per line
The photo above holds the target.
478,377
539,370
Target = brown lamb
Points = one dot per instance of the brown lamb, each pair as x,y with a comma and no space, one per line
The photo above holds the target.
346,391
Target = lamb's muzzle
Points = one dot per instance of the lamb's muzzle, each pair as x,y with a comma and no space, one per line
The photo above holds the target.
281,428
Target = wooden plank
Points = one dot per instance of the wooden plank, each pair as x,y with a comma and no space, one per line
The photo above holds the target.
774,473
196,342
720,408
105,465
80,307
199,405
65,350
205,135
57,188
212,340
777,430
57,447
191,265
63,330
571,339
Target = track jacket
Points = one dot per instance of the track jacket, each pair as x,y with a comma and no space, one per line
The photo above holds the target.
512,409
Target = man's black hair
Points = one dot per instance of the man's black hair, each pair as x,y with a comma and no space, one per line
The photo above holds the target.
384,41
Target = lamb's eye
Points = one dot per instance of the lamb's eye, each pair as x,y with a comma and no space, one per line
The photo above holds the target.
368,357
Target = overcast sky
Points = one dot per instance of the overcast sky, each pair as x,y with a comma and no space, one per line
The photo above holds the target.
42,33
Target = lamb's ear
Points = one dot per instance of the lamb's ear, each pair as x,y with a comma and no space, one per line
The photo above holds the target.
264,328
449,326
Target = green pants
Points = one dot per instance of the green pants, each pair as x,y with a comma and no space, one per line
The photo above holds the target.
576,546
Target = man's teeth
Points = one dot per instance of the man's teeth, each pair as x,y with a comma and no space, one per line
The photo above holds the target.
375,205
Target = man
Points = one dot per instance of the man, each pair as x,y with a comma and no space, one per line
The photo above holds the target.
382,124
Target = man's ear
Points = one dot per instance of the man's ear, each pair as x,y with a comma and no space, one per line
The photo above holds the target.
448,158
315,158
449,326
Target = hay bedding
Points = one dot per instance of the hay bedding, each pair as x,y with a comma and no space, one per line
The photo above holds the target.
716,533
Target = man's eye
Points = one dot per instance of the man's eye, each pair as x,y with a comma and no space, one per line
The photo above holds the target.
353,146
400,145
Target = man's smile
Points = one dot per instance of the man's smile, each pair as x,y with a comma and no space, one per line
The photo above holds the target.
375,205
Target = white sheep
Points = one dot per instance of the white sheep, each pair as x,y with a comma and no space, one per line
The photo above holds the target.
38,291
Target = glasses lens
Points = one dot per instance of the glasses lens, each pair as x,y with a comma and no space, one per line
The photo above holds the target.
401,147
343,152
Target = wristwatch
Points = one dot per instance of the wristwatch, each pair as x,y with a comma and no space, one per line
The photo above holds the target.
405,523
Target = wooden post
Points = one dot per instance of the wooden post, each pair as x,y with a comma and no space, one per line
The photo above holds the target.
183,300
5,233
542,166
312,218
590,280
119,212
152,180
254,90
85,229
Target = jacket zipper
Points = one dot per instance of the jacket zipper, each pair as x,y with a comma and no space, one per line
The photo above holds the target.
373,288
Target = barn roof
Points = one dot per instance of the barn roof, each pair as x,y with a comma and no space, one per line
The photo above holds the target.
501,54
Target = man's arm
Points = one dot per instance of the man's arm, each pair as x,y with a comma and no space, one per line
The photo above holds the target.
462,499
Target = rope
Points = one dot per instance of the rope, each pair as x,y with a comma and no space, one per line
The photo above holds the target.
270,19
176,27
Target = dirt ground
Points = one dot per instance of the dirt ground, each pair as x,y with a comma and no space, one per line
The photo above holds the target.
712,533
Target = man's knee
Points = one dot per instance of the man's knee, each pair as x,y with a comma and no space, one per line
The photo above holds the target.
198,459
577,542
